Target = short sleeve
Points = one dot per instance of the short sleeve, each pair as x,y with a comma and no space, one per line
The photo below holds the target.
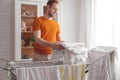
58,31
36,25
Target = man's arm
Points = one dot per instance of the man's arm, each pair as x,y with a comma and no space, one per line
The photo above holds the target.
39,40
58,38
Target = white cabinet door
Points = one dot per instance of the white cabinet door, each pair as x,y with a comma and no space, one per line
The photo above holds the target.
25,13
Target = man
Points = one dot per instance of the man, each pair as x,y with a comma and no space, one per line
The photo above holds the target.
47,32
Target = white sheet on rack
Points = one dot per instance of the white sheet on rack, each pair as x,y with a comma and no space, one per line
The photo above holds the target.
38,73
103,69
60,72
73,52
21,73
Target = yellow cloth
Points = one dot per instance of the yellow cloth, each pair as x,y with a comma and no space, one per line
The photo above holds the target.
72,72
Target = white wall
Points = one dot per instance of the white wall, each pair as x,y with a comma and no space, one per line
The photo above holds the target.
6,26
70,27
70,20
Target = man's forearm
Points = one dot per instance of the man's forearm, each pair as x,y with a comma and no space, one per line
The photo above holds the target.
44,42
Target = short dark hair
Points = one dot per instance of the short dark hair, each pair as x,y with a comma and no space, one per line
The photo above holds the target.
50,2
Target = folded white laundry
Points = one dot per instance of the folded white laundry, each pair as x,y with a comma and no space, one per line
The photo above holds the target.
73,52
75,48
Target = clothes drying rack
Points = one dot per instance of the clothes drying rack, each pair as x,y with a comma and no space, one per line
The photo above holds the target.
11,66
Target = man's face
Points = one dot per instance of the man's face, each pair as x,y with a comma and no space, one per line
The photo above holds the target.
52,11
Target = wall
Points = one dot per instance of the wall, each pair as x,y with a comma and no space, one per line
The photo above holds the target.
70,27
6,18
70,20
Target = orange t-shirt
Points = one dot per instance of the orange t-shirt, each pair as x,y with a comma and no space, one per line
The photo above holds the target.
49,29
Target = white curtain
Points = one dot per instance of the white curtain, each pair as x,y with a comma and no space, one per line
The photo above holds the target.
85,21
100,25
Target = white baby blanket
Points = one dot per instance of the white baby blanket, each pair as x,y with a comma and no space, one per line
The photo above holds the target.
73,53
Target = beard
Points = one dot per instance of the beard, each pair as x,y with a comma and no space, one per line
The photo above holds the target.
51,15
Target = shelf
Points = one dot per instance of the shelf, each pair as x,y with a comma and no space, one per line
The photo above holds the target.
29,47
27,32
28,16
30,59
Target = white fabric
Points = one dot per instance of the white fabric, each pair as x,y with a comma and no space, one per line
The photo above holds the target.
63,55
21,74
72,72
60,72
73,52
37,73
102,67
65,72
86,27
100,25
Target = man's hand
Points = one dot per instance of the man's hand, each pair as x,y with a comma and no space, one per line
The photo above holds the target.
57,46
